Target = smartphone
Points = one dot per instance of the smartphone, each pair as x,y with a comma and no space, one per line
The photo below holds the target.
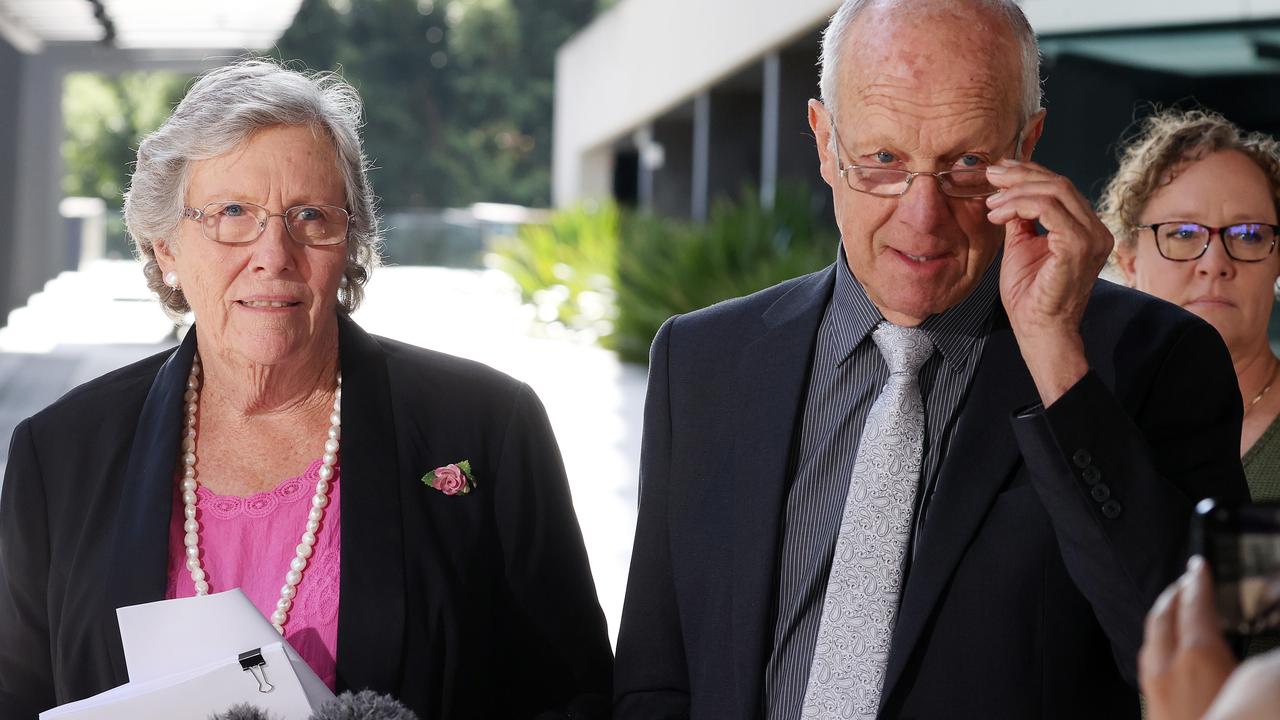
1242,545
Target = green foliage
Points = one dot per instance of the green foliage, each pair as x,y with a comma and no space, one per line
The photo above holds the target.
458,93
566,268
619,277
106,117
667,267
458,97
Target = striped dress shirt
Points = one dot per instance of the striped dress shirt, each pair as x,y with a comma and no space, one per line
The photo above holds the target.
847,374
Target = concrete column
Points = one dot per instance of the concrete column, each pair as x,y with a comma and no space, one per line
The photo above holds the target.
701,155
769,129
735,140
11,73
673,179
650,154
596,175
39,251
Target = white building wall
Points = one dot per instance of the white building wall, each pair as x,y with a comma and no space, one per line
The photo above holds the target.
644,57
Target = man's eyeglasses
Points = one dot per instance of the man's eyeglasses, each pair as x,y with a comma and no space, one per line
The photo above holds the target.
1244,242
235,222
890,182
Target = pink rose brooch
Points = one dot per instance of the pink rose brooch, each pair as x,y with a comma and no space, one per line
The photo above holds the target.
452,479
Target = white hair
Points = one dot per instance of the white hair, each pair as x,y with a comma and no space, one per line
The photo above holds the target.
835,36
220,112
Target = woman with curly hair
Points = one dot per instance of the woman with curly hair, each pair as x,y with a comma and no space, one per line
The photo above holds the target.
1193,209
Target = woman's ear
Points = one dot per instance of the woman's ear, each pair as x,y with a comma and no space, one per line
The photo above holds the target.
166,258
1126,259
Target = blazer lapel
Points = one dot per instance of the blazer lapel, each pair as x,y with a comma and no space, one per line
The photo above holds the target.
982,454
140,542
371,601
771,378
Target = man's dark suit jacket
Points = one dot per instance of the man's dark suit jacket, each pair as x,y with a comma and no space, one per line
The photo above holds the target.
1048,537
465,606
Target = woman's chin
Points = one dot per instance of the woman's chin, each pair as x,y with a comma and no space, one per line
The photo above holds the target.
270,347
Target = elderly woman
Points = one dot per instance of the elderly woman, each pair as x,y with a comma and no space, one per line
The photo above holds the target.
401,516
1193,209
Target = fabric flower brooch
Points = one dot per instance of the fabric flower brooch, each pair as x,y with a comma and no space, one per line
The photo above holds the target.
452,479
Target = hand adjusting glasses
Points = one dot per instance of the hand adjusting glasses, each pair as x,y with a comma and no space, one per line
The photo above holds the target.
236,223
1181,241
892,183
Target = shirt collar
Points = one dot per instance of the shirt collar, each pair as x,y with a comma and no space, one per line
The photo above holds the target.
953,331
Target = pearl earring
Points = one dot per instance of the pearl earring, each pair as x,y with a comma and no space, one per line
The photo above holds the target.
171,279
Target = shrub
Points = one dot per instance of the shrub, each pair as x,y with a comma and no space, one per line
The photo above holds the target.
565,268
666,267
616,278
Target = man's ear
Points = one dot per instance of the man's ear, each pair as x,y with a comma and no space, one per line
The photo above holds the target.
820,123
1031,134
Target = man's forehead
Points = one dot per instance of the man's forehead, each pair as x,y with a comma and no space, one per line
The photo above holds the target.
929,45
911,71
912,111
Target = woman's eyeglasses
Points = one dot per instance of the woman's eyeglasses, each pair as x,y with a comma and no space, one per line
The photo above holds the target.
1182,241
235,222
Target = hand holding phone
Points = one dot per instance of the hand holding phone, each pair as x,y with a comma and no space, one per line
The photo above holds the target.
1242,547
1185,660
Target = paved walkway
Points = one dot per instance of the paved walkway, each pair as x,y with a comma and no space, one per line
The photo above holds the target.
87,323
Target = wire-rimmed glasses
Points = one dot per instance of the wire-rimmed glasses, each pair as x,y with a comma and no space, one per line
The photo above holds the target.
1182,241
236,222
892,183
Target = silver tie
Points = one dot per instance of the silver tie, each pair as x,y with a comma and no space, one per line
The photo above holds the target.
861,603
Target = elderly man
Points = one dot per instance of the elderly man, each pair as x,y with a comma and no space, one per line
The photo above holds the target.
946,477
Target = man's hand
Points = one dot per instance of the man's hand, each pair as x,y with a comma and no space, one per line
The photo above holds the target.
1045,280
1184,659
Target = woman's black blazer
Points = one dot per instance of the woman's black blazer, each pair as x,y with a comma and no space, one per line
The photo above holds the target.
465,606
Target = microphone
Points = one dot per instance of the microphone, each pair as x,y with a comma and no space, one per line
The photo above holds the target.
364,705
243,711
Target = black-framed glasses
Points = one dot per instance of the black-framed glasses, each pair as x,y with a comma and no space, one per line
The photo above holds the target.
1181,241
236,222
891,183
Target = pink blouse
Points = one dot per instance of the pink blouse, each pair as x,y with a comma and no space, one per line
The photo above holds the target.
249,543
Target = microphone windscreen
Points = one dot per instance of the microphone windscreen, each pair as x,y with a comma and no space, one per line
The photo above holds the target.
364,705
243,711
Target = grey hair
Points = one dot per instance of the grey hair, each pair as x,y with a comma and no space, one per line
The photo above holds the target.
220,112
835,36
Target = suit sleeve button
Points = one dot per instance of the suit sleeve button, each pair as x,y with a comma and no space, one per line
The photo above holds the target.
1100,492
1111,509
1082,458
1091,475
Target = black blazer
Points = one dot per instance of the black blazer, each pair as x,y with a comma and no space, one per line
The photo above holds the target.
475,606
1048,537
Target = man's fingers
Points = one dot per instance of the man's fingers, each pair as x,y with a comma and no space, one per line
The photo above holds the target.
1046,184
1046,209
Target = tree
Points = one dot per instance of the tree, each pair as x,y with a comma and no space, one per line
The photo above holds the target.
458,93
458,97
106,116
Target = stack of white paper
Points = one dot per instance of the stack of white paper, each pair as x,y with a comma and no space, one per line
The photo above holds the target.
184,663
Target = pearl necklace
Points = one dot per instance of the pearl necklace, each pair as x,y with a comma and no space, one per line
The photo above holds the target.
318,501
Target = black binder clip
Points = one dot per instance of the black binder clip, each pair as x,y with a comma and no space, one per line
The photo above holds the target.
253,663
